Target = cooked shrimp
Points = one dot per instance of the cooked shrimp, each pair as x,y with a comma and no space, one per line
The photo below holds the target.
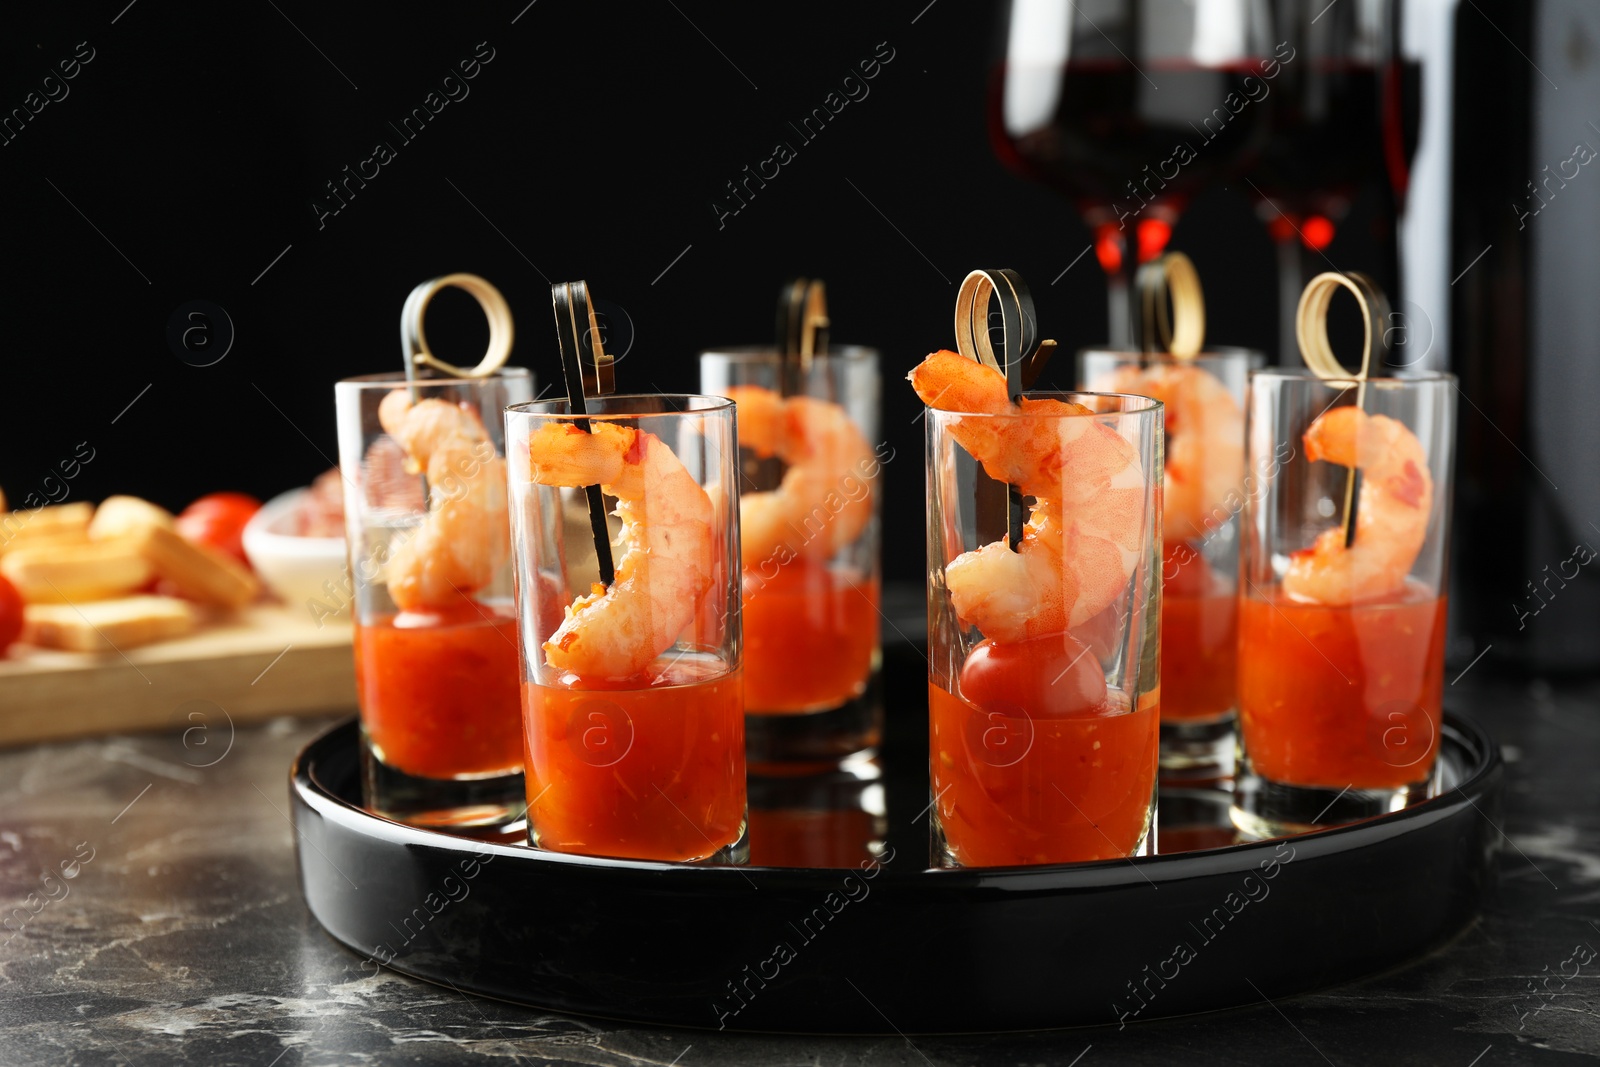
825,499
466,535
1085,527
1205,443
1391,515
614,634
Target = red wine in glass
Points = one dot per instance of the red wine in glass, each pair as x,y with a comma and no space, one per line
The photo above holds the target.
1128,114
1343,118
1111,148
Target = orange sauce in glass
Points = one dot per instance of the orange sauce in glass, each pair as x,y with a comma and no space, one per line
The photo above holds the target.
1345,695
650,768
439,692
1021,782
810,633
1199,638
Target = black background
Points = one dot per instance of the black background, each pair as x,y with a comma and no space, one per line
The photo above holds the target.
187,155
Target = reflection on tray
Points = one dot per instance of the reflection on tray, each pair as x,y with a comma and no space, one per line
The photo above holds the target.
837,818
1193,820
822,814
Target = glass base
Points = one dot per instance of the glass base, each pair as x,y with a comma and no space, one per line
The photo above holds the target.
1197,751
825,736
492,801
1265,809
734,854
941,855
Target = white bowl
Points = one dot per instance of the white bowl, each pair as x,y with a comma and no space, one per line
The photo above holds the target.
309,572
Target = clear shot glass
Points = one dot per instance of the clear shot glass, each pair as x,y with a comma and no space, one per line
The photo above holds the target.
1044,680
1203,496
1341,639
633,697
810,463
430,556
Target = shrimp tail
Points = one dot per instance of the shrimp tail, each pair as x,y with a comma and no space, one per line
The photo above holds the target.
667,564
465,537
1083,537
1392,510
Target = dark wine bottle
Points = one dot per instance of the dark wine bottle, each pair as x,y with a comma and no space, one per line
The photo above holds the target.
1525,335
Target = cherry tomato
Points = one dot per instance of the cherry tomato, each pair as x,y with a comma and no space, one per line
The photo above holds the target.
217,520
10,614
1041,676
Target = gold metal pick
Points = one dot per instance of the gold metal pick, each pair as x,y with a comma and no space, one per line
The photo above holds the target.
1182,331
414,339
1311,330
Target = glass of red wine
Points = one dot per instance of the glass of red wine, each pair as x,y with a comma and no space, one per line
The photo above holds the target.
1335,130
1127,108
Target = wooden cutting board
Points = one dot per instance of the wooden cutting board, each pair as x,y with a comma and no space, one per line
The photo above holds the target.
266,661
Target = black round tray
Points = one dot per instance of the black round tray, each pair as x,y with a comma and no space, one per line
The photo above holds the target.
890,945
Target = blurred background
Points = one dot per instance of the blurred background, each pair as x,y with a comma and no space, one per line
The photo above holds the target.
231,156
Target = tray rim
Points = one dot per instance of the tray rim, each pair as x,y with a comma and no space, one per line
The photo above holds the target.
1464,730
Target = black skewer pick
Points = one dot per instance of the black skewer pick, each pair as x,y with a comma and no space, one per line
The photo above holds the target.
588,371
1023,356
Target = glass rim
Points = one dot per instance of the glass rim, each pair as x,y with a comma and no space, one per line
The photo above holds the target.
392,378
1147,405
1214,354
695,404
1392,381
768,353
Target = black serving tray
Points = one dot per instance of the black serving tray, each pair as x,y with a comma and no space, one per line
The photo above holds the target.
908,949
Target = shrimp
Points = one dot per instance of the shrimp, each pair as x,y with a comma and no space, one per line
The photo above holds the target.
466,535
825,499
1205,443
1391,515
1085,527
615,633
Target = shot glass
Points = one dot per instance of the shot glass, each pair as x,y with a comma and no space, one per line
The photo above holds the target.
1203,495
809,465
1043,684
633,697
436,634
1341,642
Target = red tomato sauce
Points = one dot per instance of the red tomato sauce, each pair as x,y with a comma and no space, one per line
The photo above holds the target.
439,692
1199,638
650,768
1345,695
1039,764
810,634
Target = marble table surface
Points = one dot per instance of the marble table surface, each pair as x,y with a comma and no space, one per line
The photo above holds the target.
165,926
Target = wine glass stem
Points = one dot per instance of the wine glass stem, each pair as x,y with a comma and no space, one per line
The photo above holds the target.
1119,312
1291,281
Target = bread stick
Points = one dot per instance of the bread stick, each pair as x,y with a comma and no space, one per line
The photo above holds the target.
120,515
67,522
198,572
107,625
49,573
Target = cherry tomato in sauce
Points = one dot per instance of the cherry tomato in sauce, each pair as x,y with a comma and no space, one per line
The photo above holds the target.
1050,675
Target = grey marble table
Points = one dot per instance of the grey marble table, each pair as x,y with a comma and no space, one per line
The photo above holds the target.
166,927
